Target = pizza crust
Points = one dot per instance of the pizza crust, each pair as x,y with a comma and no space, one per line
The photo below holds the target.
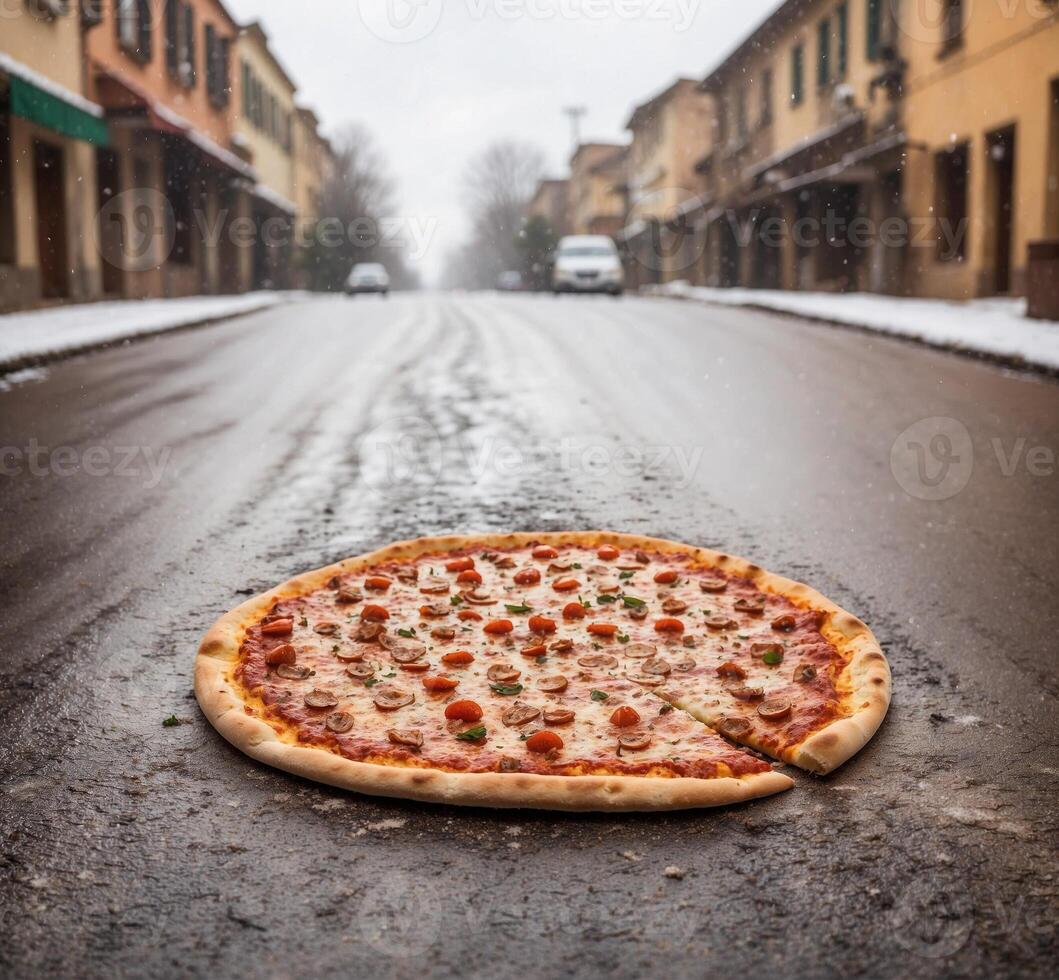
223,705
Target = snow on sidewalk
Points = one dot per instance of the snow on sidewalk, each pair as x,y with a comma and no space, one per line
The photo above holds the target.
993,327
40,334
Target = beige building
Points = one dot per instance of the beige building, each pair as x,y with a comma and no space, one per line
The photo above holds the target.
49,133
551,202
265,123
313,168
982,118
597,189
670,133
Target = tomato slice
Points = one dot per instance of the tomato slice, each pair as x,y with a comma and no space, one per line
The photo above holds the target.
608,553
667,577
470,577
573,610
460,564
466,614
378,583
566,585
537,650
375,613
624,717
464,711
528,576
669,626
458,658
544,741
438,684
498,627
541,624
603,629
545,552
278,627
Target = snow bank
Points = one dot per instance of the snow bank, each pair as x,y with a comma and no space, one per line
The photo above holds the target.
993,327
42,334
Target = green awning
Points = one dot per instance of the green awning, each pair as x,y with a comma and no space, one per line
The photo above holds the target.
33,103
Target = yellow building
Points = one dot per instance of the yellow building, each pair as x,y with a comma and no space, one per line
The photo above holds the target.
264,133
551,201
670,133
48,135
807,152
982,117
597,189
313,168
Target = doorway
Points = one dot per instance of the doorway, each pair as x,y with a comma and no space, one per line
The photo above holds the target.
1001,146
50,193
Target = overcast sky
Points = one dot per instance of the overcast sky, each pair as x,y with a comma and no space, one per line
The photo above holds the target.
437,80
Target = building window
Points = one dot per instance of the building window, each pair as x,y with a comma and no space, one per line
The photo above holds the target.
134,24
180,42
823,53
841,41
951,169
218,68
178,185
874,29
766,98
742,124
798,74
951,26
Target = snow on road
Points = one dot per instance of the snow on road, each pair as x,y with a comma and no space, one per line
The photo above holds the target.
40,334
994,327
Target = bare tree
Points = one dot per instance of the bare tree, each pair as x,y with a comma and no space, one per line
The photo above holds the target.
354,204
497,186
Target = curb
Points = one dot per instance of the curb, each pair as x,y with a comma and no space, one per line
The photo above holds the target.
24,361
1010,361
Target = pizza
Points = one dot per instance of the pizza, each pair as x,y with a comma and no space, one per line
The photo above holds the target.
571,671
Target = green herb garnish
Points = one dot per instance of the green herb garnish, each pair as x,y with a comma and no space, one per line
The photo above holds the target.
623,637
472,734
455,600
171,722
522,608
406,633
606,599
625,576
630,600
599,696
371,682
506,689
773,657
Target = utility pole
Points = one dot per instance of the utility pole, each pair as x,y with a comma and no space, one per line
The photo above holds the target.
575,113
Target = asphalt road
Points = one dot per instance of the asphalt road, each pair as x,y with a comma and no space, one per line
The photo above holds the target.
160,482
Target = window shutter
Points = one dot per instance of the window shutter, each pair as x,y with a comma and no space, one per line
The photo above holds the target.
842,54
823,55
189,40
874,29
172,38
211,62
146,30
224,81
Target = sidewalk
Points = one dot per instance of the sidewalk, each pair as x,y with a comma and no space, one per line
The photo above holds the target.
994,328
41,335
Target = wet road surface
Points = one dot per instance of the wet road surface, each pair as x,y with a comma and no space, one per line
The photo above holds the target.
148,488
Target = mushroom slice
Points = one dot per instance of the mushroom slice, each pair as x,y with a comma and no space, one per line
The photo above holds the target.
688,640
320,698
443,633
349,655
553,683
339,722
656,665
774,708
804,673
412,737
435,611
674,607
733,727
713,583
361,671
647,681
638,613
347,596
598,660
434,585
508,764
593,570
407,652
685,665
721,623
558,716
743,693
476,597
369,632
562,646
390,697
560,566
784,623
408,574
327,628
642,558
634,741
755,605
503,673
502,561
519,714
640,651
608,586
294,672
